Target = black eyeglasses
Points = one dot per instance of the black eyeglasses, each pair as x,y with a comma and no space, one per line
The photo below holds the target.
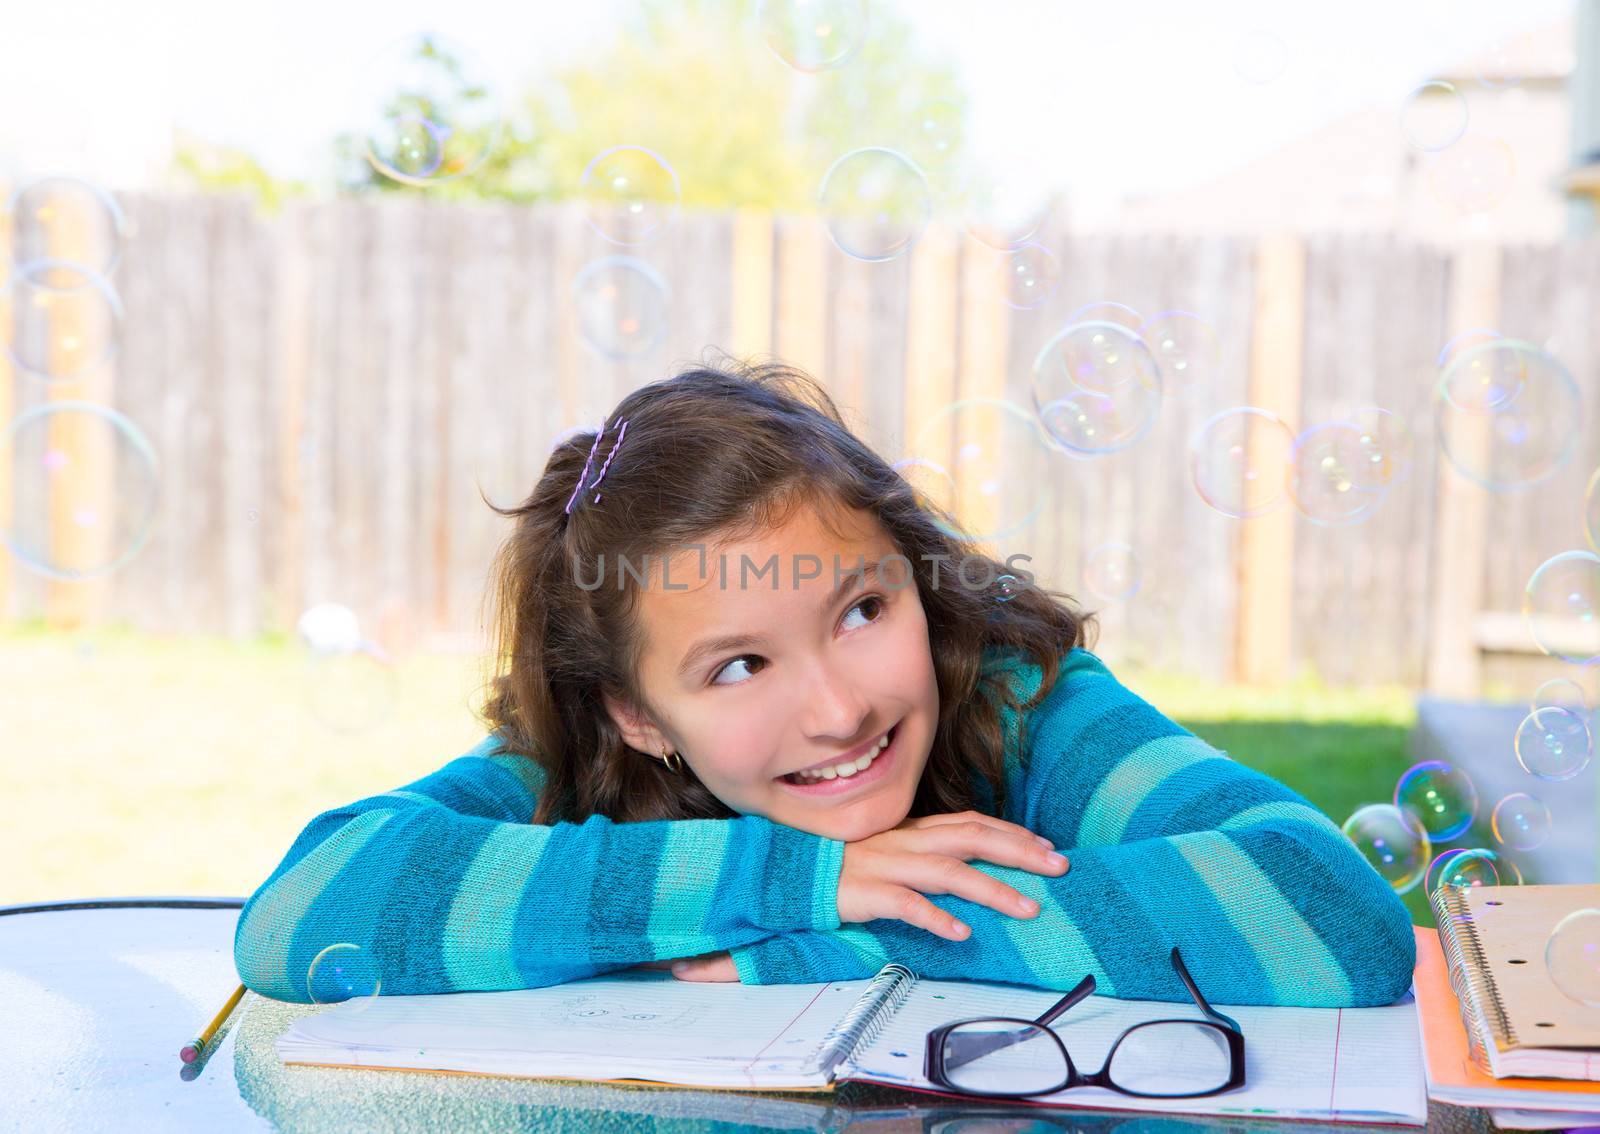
1000,1057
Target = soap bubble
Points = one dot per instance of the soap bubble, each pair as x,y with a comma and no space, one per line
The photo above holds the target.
1440,795
1392,841
66,218
1323,467
1507,414
813,35
1434,115
1005,213
876,203
1098,358
1572,956
1091,425
1475,175
1032,275
1112,572
981,453
621,304
1520,821
1561,605
1185,349
1259,56
60,321
1500,63
1239,460
426,110
330,627
629,194
1476,866
1008,587
1553,744
350,691
83,489
1438,868
1591,510
1559,693
937,132
342,972
1386,445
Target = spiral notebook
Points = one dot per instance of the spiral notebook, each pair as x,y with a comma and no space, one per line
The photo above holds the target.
1353,1065
1518,1022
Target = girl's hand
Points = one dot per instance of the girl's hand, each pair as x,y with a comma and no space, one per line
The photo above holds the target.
708,967
883,873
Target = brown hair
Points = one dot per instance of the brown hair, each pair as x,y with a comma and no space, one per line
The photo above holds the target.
722,452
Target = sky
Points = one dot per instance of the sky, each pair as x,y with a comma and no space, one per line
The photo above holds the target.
1104,101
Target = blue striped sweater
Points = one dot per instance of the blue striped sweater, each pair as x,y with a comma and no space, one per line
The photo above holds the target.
446,887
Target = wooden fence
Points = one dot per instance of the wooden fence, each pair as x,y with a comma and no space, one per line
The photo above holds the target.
327,387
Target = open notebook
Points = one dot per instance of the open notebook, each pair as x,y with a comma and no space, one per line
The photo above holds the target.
1351,1064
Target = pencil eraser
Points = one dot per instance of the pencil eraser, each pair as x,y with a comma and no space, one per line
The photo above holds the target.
189,1053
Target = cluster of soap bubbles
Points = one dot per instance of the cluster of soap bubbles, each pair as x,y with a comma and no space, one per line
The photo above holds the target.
621,302
82,475
1467,173
349,680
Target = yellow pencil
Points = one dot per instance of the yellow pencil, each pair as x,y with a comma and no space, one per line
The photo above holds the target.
191,1050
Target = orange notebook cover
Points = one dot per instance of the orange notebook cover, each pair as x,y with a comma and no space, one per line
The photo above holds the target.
1444,1039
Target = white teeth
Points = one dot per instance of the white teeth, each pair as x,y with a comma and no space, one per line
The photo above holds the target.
846,770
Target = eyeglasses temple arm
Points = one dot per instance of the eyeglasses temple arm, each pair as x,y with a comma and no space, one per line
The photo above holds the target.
1194,991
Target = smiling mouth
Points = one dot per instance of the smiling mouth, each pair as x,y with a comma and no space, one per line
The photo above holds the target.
843,769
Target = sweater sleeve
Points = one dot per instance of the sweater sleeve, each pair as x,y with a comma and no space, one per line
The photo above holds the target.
446,887
1170,842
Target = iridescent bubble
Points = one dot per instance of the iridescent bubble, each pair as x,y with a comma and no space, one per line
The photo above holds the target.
1434,115
629,194
1591,510
1520,821
1239,461
1481,371
1460,344
350,691
876,202
1553,744
60,322
66,218
622,305
1112,572
1259,56
937,132
1440,795
342,972
1106,311
1572,956
1392,841
1185,348
1007,212
1562,606
1386,445
426,110
1008,587
330,627
1439,867
1323,467
1478,866
1091,425
1098,358
83,489
985,451
1526,425
1559,693
1473,176
813,35
1500,63
1032,275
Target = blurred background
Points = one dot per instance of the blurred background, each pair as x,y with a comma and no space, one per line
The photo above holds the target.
1264,333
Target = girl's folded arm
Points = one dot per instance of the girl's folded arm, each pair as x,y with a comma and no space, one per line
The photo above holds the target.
1171,843
445,887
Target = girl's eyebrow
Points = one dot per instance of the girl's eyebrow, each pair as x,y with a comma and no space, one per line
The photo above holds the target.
848,581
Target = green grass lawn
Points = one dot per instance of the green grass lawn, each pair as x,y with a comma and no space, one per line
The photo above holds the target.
141,764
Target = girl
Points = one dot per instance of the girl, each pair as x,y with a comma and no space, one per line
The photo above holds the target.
754,706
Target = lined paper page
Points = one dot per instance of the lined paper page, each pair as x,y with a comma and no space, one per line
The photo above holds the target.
645,1016
1299,1062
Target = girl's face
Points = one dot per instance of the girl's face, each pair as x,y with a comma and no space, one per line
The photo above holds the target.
816,677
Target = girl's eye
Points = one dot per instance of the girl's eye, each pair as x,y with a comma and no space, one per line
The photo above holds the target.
744,659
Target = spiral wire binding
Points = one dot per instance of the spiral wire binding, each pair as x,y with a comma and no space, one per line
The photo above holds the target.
866,1018
1476,995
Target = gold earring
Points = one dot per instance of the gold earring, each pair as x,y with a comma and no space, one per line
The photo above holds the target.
667,758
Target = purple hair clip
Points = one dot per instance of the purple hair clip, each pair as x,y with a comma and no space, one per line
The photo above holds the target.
621,433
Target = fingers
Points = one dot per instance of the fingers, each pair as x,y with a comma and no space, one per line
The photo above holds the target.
927,821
